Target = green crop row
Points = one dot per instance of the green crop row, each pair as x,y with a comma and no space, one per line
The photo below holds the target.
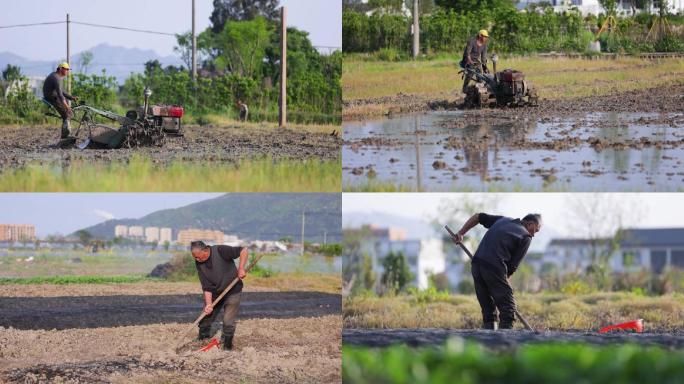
459,362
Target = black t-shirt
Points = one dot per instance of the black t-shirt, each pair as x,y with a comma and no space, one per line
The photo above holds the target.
52,88
505,243
219,270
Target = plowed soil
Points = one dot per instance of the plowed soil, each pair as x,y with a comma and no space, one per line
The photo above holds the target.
22,145
128,333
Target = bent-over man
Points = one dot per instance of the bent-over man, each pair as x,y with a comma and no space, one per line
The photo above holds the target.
216,269
497,257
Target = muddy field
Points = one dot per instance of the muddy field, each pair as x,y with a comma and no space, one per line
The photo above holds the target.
502,339
23,145
127,333
631,141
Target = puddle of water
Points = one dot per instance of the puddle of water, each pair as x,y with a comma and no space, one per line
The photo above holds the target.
420,140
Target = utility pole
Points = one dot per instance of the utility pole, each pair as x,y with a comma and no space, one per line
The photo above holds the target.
282,115
194,44
325,237
68,56
303,221
416,30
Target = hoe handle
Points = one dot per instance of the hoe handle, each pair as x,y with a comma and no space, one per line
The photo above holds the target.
470,255
225,292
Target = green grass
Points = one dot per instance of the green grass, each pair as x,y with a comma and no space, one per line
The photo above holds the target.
141,175
459,362
543,311
60,280
79,262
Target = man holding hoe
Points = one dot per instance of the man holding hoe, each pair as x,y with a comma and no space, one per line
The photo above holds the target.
497,257
216,270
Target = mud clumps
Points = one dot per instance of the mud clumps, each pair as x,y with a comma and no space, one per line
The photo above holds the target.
20,146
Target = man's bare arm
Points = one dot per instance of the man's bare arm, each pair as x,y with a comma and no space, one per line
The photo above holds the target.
207,303
244,255
469,224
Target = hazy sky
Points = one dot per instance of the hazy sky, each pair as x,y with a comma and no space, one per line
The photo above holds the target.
642,209
67,212
321,18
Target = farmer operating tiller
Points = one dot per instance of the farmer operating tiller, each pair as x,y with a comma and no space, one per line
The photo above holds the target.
217,270
497,257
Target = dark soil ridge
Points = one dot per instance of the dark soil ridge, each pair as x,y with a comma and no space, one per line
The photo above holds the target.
125,310
504,339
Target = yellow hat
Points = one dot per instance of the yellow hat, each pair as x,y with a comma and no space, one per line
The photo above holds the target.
64,65
483,32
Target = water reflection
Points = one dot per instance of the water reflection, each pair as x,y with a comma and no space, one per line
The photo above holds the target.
477,152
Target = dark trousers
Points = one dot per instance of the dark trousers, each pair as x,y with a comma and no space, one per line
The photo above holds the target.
230,305
63,113
493,292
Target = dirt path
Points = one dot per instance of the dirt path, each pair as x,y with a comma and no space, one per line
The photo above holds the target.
125,310
502,339
22,145
297,350
663,99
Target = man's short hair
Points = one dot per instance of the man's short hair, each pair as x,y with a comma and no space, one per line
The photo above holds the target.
533,217
197,245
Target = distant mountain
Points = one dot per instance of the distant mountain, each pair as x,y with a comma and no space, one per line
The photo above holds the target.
117,61
249,215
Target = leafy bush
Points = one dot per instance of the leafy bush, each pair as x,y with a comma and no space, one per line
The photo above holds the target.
459,362
98,91
576,288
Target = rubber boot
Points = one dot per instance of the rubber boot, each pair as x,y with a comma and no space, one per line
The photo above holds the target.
66,129
204,333
227,342
491,325
506,325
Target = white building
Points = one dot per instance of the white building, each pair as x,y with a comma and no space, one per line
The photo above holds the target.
135,231
152,234
120,231
656,249
424,257
165,235
593,7
572,255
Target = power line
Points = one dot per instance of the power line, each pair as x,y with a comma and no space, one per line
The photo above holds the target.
90,25
124,28
31,25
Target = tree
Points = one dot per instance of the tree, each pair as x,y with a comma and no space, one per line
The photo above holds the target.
236,10
84,237
242,46
368,274
395,275
85,60
470,6
599,218
11,73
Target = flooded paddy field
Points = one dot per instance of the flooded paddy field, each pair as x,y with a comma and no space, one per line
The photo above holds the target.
627,143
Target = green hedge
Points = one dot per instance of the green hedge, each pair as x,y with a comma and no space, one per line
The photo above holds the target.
511,31
457,362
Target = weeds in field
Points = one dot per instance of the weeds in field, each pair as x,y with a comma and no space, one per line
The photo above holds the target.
466,362
141,175
543,310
